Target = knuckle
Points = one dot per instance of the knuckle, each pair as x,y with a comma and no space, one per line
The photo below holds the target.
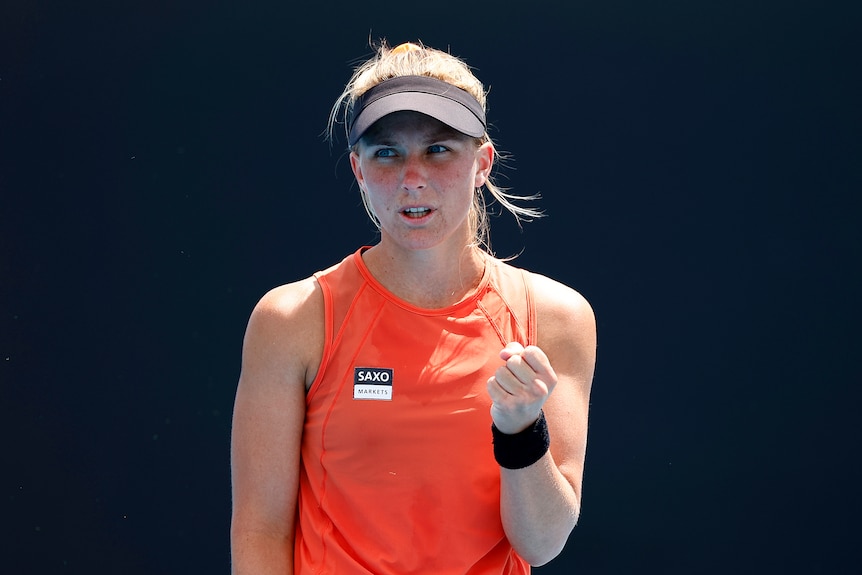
534,352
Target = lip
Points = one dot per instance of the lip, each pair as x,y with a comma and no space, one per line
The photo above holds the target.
414,219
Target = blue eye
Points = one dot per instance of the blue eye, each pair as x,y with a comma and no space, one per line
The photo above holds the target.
437,148
384,153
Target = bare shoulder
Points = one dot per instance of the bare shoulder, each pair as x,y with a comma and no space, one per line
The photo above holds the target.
562,312
286,329
289,300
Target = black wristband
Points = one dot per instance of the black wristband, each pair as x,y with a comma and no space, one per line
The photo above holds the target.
522,449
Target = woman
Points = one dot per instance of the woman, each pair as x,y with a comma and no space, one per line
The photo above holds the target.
362,440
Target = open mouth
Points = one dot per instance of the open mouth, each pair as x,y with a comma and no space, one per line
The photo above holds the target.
416,212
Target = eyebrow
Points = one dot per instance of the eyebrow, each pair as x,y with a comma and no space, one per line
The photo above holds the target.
437,134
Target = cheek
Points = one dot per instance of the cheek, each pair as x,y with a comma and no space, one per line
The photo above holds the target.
377,182
379,195
466,187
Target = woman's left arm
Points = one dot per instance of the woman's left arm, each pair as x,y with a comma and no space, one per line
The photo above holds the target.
540,503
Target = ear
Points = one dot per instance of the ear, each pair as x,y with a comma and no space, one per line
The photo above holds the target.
484,162
357,170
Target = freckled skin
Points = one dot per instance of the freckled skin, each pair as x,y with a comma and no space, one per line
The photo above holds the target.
409,160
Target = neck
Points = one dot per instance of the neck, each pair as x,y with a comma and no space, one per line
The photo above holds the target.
426,278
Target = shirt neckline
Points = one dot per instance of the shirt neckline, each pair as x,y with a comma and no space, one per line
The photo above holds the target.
469,298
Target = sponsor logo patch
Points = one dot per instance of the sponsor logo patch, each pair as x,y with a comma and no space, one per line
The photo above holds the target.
372,383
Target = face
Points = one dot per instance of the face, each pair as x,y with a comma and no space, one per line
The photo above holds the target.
419,178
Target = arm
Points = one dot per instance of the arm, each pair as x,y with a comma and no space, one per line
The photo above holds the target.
540,504
280,353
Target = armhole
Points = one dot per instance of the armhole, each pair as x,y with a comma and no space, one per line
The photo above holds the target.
531,308
328,319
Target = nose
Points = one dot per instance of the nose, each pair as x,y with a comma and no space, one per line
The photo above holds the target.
413,174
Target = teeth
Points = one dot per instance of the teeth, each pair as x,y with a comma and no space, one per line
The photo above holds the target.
416,212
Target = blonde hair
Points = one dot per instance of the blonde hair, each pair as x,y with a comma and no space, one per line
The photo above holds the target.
411,59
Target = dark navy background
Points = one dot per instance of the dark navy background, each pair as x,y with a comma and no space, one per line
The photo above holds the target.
162,166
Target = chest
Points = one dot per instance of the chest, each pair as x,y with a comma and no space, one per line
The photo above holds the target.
404,394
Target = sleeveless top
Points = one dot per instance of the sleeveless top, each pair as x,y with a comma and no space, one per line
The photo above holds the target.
397,468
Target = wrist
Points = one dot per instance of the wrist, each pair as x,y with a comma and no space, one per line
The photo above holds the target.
522,449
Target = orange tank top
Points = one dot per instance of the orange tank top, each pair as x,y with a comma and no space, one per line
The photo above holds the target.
398,473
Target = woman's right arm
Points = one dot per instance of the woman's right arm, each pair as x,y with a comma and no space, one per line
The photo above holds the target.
281,352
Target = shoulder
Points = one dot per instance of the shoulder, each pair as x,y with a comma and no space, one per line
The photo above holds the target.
565,319
559,308
287,307
288,300
557,299
286,329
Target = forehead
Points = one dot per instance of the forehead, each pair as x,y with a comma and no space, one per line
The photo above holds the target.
410,124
